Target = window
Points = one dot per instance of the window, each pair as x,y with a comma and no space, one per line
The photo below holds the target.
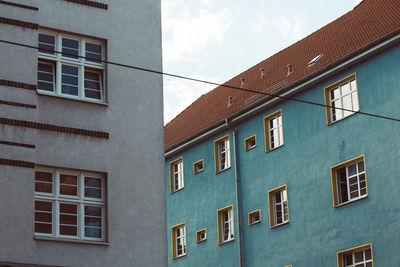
225,225
178,240
198,166
356,257
315,60
341,95
69,204
201,235
250,143
254,217
222,154
176,175
278,206
349,181
273,131
67,73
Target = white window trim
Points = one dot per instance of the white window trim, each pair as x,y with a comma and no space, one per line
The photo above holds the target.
228,224
283,196
182,238
178,163
80,62
56,198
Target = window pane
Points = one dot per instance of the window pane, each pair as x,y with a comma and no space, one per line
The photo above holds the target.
93,221
45,77
43,206
348,259
347,105
69,90
71,80
45,86
46,43
43,217
70,48
68,190
68,230
92,192
359,256
361,166
43,228
68,219
94,48
68,208
68,185
92,182
367,254
369,264
92,211
44,187
93,232
345,89
43,182
66,69
355,101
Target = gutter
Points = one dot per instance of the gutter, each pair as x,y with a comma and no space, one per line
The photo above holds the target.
237,186
362,53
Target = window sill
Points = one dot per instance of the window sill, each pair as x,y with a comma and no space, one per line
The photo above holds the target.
177,190
250,148
66,97
86,242
257,222
277,225
351,201
178,257
201,241
198,171
275,148
222,170
226,242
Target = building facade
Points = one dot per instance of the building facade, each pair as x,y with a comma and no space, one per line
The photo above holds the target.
81,142
303,173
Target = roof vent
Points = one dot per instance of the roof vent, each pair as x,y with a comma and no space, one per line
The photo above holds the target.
230,101
262,73
315,60
243,83
289,69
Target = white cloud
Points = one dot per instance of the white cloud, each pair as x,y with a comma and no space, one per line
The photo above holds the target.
179,94
187,34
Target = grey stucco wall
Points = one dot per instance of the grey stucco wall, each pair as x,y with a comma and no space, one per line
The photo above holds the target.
132,157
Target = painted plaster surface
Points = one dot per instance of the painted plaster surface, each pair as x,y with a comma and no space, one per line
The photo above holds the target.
316,230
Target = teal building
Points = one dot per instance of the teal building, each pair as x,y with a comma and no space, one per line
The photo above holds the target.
295,161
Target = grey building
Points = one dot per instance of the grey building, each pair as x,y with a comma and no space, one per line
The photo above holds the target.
81,140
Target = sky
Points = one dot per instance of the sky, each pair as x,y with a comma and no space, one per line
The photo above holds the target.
215,40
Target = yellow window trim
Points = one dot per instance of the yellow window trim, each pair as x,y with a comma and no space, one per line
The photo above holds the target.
271,208
173,241
326,95
333,178
219,224
266,132
288,265
194,166
247,139
216,154
198,233
253,212
343,252
171,175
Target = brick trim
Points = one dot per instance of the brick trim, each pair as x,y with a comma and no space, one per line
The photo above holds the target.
17,163
19,23
22,105
89,3
17,144
18,5
54,128
18,84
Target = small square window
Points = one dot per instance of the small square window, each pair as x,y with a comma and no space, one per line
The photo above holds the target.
254,217
341,99
198,166
360,256
273,131
349,181
278,206
201,235
225,225
250,143
222,154
178,240
176,175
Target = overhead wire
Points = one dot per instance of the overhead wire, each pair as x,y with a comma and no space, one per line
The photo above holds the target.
204,81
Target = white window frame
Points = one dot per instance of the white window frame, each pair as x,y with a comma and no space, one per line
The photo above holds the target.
222,154
352,252
335,105
81,63
227,224
176,175
179,239
56,198
283,205
273,135
199,234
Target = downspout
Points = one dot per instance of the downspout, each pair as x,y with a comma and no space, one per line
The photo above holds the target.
237,180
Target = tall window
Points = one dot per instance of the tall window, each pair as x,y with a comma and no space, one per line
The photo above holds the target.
222,154
176,175
356,257
179,240
278,206
273,131
349,181
76,71
69,204
225,225
342,97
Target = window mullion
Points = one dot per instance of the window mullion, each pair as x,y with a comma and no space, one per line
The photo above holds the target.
348,183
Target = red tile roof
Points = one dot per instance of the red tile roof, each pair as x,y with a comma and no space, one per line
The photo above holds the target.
367,22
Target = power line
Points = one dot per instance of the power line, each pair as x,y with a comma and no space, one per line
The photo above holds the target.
204,81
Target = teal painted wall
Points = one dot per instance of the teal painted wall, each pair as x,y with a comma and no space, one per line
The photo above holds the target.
316,230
